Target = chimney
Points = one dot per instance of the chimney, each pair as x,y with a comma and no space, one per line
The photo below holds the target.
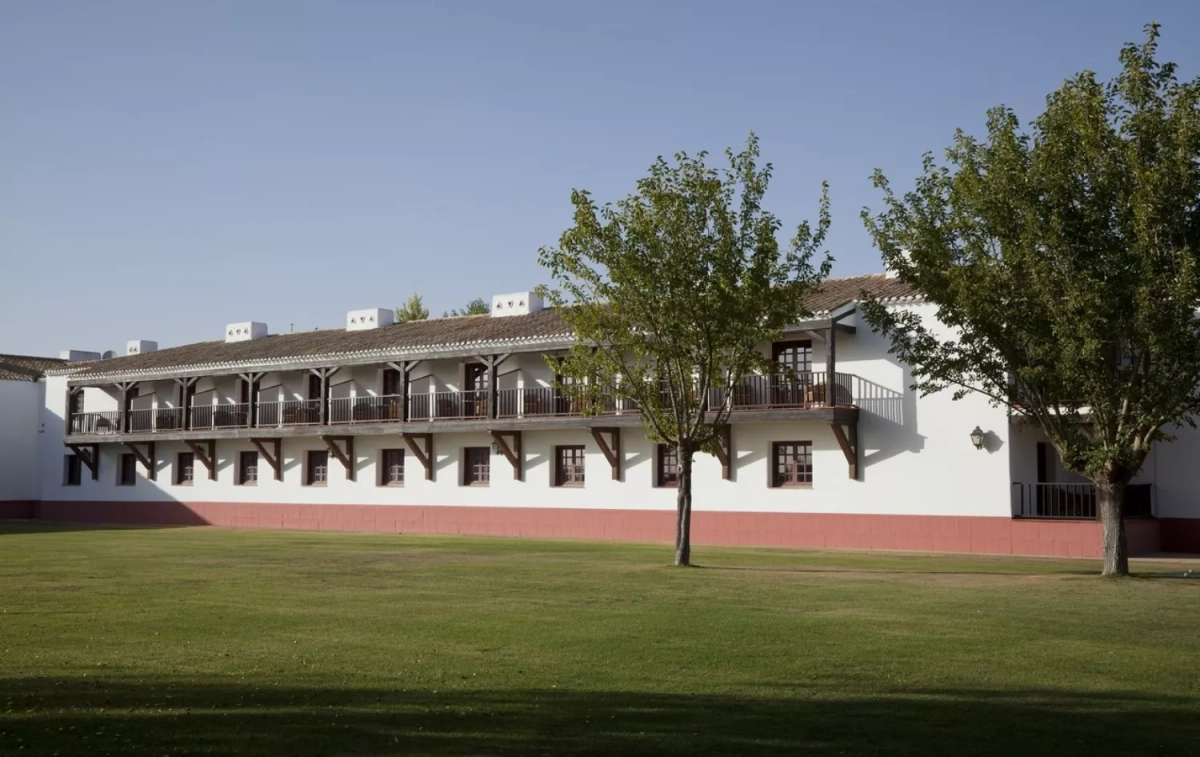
244,332
518,303
77,356
372,318
890,272
138,346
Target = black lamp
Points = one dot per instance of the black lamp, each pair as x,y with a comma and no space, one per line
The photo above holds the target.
977,437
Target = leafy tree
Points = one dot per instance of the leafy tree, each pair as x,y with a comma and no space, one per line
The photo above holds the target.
413,309
1066,260
477,306
671,290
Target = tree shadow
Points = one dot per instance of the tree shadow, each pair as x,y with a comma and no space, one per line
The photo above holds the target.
47,716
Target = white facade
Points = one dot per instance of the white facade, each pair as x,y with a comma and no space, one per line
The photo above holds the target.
21,404
916,462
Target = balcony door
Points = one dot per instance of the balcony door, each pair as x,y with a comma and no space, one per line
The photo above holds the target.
477,380
793,381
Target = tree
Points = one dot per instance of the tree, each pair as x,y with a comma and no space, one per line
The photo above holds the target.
413,309
671,290
1066,260
477,306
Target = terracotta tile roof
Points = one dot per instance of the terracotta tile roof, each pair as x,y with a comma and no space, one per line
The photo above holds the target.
416,337
389,342
837,292
27,367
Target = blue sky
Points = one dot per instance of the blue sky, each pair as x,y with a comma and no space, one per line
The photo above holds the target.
167,168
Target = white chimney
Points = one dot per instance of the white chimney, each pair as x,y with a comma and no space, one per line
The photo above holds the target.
890,272
138,346
519,303
372,318
76,356
244,332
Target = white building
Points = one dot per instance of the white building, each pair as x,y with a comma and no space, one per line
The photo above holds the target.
22,397
452,425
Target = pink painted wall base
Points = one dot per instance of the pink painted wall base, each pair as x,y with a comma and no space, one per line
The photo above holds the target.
981,535
18,509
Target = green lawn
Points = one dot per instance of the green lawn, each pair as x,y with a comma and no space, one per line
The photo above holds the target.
206,641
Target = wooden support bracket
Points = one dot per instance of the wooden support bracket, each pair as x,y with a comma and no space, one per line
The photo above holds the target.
847,439
89,455
512,452
206,452
274,460
148,460
344,453
725,450
424,456
611,448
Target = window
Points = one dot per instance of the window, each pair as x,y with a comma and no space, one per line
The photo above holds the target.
568,465
185,469
666,465
391,467
71,470
247,473
477,466
316,472
796,355
791,464
76,402
127,471
314,387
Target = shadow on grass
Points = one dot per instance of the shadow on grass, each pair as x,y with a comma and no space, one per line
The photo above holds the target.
86,716
13,527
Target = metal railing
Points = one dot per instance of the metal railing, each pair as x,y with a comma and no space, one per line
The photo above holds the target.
168,419
102,422
385,409
288,413
230,415
438,406
802,390
1078,501
542,401
809,389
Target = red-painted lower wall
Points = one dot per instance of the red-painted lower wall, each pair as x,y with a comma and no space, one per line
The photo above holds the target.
12,509
901,532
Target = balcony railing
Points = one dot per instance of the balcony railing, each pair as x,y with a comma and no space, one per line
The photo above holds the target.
106,422
232,415
807,390
385,409
543,401
289,413
438,406
1078,501
803,390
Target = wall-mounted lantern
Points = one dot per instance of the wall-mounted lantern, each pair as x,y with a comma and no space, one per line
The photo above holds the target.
977,437
495,448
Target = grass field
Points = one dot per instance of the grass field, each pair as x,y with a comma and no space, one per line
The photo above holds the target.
209,641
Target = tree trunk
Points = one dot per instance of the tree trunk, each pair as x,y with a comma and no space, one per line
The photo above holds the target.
1110,495
683,509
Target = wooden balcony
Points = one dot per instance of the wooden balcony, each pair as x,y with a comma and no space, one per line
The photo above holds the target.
753,399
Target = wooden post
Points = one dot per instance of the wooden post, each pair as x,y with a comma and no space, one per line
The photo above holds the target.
513,453
831,367
345,455
424,456
276,460
612,451
207,455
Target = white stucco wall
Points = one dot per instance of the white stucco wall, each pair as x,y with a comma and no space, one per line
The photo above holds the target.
20,430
